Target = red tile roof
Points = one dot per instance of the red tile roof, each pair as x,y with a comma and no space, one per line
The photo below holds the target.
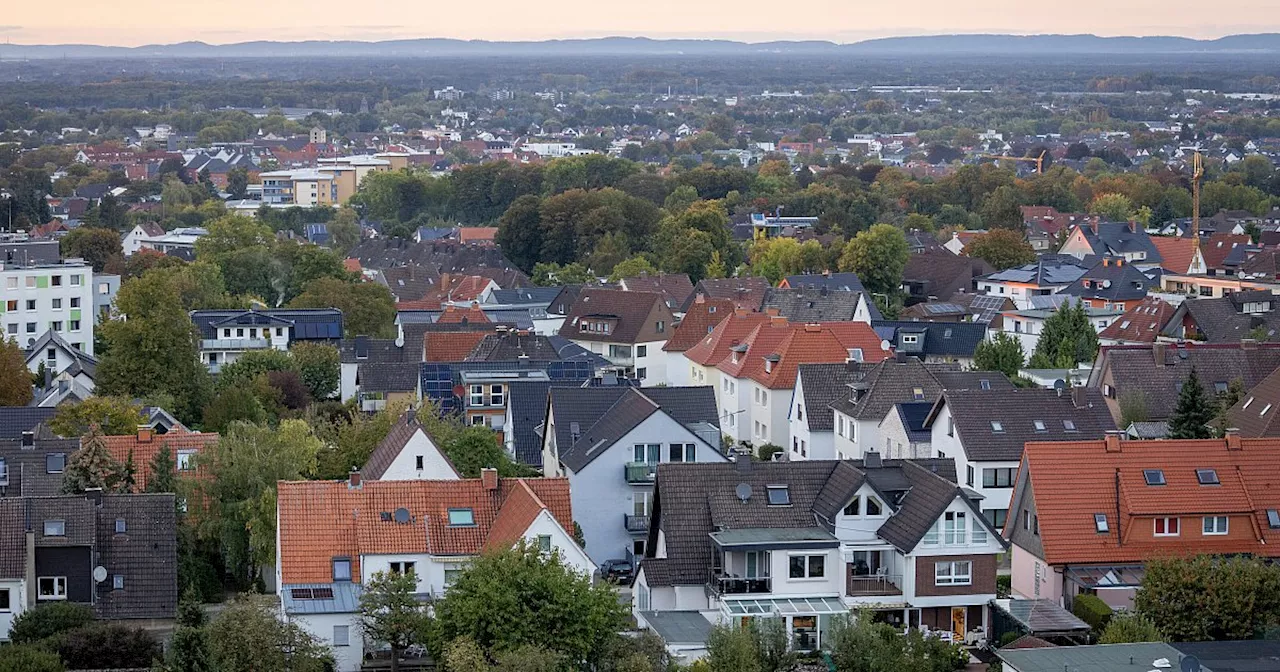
1217,247
321,520
145,449
698,322
471,314
750,353
714,349
1141,323
1176,254
477,234
1072,481
824,343
451,346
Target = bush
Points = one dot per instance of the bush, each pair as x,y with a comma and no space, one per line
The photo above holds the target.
48,620
1004,585
108,645
1092,610
28,658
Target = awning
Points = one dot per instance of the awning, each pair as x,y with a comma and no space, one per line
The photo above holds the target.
753,538
784,606
1106,576
1043,618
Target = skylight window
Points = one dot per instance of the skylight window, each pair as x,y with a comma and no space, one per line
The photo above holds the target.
461,518
1220,387
1100,523
997,426
1153,476
1273,519
984,384
1207,477
1247,402
1069,425
779,495
1264,409
917,393
1040,426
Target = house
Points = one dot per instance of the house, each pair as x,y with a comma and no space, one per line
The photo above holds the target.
333,536
938,274
1047,275
933,342
703,359
141,448
861,408
832,282
1142,323
1151,376
960,240
675,288
227,334
1114,284
33,464
1180,255
805,541
378,371
15,421
984,430
61,361
1090,513
695,326
49,297
1253,416
1116,239
1027,325
747,293
627,328
818,305
1227,319
180,242
132,241
962,307
117,554
608,442
1096,657
811,422
408,453
526,409
20,249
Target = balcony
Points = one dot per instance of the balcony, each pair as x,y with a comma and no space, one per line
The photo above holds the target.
636,524
238,344
724,584
871,585
640,472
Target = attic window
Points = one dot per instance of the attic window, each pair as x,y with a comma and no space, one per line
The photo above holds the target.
910,338
1100,523
1220,387
984,384
342,569
1040,427
855,355
946,333
1273,519
779,495
1264,409
1069,425
917,393
997,426
1153,476
461,518
1207,477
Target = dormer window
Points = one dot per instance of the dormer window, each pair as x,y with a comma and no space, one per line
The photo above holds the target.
855,355
768,366
779,495
910,339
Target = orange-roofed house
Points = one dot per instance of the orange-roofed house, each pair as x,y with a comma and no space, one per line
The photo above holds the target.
143,447
1179,255
1140,324
703,359
697,324
477,235
333,536
1087,515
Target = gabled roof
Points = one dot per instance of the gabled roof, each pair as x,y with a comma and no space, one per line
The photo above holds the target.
527,405
675,288
823,384
749,355
452,346
1157,371
715,347
812,305
14,420
472,314
406,427
80,362
1120,238
1256,412
944,339
28,473
747,293
941,273
1141,323
321,520
829,342
1224,320
993,425
627,311
844,282
305,324
604,414
1176,254
698,322
1112,280
1073,481
144,449
1050,270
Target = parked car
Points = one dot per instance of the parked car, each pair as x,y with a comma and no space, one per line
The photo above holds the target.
617,571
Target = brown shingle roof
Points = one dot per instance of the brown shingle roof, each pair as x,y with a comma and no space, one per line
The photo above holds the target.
1255,414
993,425
1141,323
1137,369
698,322
627,313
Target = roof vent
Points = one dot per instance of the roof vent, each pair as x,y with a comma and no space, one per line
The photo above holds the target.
743,491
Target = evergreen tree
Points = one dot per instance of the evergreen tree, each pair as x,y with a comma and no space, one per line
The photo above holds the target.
161,469
128,475
92,467
1002,353
188,652
1194,411
1066,340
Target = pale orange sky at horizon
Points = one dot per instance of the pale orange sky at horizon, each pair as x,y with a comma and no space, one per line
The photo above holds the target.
138,22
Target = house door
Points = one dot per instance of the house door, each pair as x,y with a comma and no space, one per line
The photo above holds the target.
959,616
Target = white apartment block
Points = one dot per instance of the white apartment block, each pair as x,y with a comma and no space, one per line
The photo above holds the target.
57,297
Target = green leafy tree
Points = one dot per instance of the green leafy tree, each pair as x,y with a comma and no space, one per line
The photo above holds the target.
238,182
1066,340
29,658
92,466
15,377
525,596
716,268
250,365
189,650
552,274
367,307
1002,248
732,648
344,230
95,244
1003,353
48,619
1002,209
878,256
307,263
350,438
319,367
108,646
231,233
234,404
1112,207
1225,401
390,613
247,636
1194,411
1209,598
1129,628
633,267
1133,408
114,416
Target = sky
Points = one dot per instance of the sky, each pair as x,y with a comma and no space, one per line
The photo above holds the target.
137,22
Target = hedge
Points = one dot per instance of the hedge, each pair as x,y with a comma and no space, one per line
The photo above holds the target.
1092,610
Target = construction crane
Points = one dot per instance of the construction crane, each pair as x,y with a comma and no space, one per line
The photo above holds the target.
1038,160
1197,175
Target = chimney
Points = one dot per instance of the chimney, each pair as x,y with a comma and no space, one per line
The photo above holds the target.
1233,439
353,479
489,479
411,416
1133,225
777,321
1248,344
94,495
812,328
1106,261
1078,396
1157,353
144,434
1112,441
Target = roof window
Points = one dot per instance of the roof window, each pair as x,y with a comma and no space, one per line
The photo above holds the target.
1100,523
1040,427
1069,425
1273,519
779,495
1207,477
996,426
1153,476
461,518
1264,409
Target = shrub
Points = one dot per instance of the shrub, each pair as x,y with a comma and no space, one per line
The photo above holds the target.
1092,610
48,620
28,658
108,645
1004,585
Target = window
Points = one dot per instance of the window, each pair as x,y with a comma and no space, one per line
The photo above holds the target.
978,533
461,518
342,569
477,395
5,604
342,635
873,506
1000,477
968,475
1100,523
953,527
997,426
31,327
953,573
496,395
1040,427
661,326
757,564
477,420
683,452
52,587
56,325
779,495
104,288
997,517
1166,527
806,566
544,543
451,574
121,527
56,280
1069,425
75,325
910,338
184,460
1273,519
931,536
855,507
31,282
642,373
55,463
1207,477
11,305
917,393
401,567
55,528
642,351
117,582
647,453
31,304
417,462
1264,409
57,304
1153,476
1215,525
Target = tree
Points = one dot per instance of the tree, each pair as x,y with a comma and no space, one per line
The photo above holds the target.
95,244
1133,407
1112,207
319,367
47,620
1209,598
861,644
525,596
234,404
1002,353
344,230
367,307
1225,401
390,613
29,658
1066,340
92,466
1002,248
1002,209
15,378
633,267
878,256
1129,628
162,467
238,182
248,637
731,648
1077,151
188,650
552,274
231,233
107,646
520,232
1194,411
250,365
114,416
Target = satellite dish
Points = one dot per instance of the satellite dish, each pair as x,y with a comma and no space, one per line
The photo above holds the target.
1106,283
99,574
1190,664
1059,384
743,491
402,515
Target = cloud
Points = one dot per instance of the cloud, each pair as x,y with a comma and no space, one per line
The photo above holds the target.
10,29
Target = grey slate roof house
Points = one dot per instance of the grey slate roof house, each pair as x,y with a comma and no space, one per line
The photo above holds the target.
941,342
1227,319
818,305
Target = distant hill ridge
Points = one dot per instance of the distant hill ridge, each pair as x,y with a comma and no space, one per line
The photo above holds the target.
640,46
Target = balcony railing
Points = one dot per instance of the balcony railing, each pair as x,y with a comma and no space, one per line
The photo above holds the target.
640,472
873,584
723,584
234,344
636,523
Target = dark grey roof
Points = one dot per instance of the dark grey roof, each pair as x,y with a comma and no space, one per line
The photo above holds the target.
813,305
361,350
1117,238
822,385
938,339
602,415
304,324
1097,657
679,627
14,420
993,425
28,475
537,296
13,539
527,405
629,410
939,273
913,415
408,283
1250,655
345,600
846,282
146,555
1134,370
30,252
1048,270
439,256
1223,320
510,346
880,386
1109,281
80,362
1043,617
388,376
